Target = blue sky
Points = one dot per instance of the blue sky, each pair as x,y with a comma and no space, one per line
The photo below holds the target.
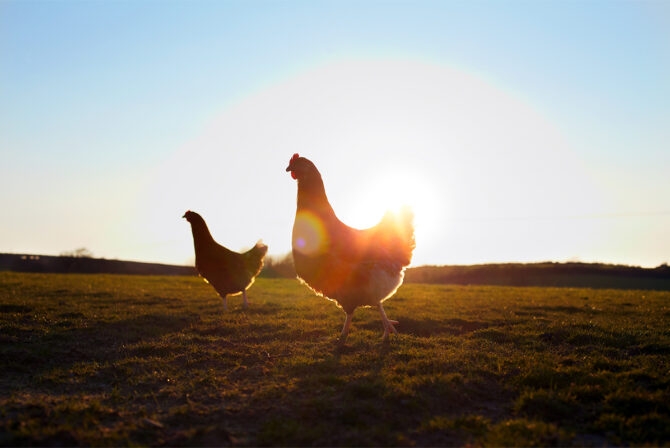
548,122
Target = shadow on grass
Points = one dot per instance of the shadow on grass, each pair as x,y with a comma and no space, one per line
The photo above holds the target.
364,394
28,354
433,327
8,308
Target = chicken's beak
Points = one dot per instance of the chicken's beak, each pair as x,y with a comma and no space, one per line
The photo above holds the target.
290,170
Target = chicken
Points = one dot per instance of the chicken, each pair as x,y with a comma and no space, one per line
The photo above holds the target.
352,267
229,272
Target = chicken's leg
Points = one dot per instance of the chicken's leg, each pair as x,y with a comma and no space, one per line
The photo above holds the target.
388,324
225,303
245,303
345,328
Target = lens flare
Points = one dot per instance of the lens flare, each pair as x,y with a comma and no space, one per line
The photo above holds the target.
309,235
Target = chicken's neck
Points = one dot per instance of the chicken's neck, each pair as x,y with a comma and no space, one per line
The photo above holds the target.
201,235
312,197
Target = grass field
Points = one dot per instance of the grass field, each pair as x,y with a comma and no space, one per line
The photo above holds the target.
136,360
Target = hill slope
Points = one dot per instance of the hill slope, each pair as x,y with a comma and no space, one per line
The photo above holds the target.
591,275
86,265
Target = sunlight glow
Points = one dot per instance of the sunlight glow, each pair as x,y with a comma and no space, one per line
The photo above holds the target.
487,176
389,189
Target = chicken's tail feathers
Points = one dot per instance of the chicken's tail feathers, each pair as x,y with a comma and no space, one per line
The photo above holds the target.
406,219
401,226
257,252
402,221
261,247
254,258
406,224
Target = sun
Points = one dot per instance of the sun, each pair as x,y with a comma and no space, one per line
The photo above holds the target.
390,189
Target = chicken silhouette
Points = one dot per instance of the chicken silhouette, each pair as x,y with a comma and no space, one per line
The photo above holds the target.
355,268
229,272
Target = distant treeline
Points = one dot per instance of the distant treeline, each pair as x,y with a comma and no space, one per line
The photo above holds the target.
587,275
86,265
576,275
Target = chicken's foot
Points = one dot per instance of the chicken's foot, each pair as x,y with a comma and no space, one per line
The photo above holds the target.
388,324
345,328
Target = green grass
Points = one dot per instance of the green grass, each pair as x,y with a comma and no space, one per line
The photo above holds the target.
132,360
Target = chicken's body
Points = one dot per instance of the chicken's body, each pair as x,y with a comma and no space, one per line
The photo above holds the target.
229,272
350,266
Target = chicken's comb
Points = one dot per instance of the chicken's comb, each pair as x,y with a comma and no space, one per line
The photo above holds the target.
295,156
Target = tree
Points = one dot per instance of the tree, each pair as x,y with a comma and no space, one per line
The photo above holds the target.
80,252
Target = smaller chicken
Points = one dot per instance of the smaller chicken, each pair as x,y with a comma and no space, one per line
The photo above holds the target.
229,272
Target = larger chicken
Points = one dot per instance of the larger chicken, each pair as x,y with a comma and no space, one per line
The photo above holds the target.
352,267
229,272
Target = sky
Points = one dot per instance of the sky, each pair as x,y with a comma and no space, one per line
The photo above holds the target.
518,131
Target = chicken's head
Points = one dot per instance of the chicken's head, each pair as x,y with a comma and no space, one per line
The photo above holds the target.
292,165
189,215
301,168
